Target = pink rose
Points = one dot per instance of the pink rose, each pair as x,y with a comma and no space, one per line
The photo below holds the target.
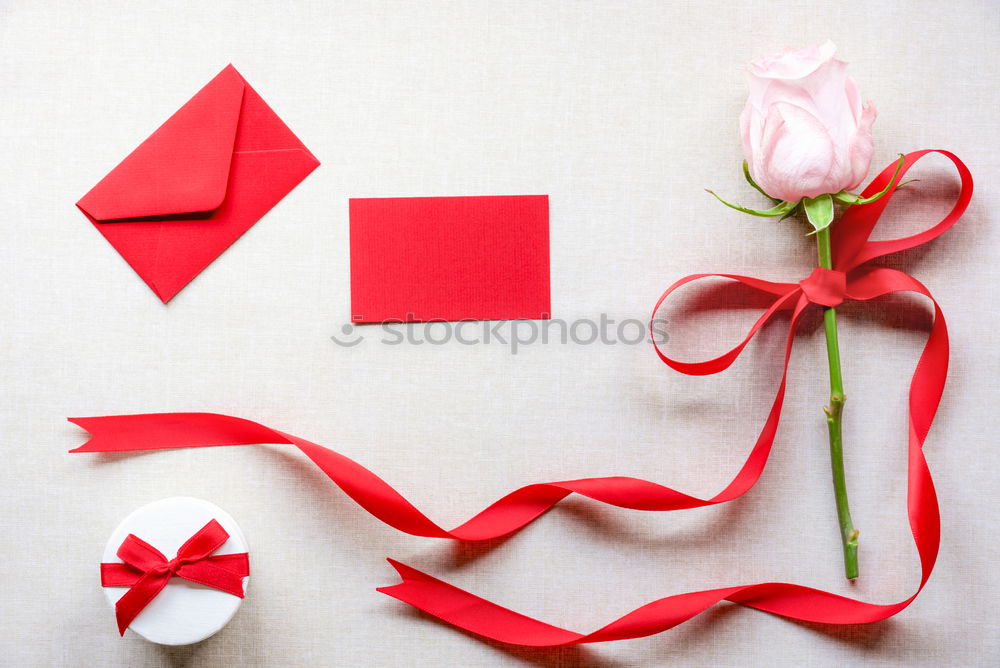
805,131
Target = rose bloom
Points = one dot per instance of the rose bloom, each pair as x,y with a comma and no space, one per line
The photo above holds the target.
805,131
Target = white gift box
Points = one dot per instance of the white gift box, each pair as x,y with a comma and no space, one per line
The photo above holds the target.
184,612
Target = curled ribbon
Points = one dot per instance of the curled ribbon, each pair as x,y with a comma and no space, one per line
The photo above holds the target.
851,278
146,571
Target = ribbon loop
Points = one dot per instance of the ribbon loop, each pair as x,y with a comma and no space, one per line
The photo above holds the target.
139,554
785,293
146,571
851,234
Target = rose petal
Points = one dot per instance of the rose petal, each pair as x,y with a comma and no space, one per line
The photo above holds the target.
793,64
798,153
862,147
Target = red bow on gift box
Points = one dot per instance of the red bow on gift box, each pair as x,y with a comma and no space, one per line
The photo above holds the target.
147,571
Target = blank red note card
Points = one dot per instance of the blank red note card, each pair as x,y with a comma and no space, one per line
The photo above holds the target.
415,259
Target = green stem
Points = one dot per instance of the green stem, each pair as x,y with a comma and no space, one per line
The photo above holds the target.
849,535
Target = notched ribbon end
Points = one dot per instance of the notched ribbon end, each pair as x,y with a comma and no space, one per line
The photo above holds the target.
82,423
403,571
398,590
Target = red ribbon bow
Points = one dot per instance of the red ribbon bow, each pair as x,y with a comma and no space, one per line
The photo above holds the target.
852,278
146,571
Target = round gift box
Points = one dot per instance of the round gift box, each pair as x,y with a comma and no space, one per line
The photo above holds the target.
184,612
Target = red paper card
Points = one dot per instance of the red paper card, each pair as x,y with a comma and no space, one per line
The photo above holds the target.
415,259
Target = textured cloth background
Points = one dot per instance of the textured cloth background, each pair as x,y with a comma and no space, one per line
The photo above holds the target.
622,112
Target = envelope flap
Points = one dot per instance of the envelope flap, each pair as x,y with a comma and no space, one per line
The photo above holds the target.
181,168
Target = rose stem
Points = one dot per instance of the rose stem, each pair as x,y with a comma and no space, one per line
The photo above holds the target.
849,535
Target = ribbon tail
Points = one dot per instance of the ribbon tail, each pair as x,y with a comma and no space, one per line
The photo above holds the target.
507,515
926,389
138,597
489,620
471,613
238,562
925,396
477,615
213,575
164,431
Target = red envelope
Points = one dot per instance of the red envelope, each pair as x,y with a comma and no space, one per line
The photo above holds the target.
197,183
450,258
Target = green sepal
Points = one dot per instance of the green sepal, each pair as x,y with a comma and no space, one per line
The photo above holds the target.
849,199
794,210
753,184
819,211
845,197
782,209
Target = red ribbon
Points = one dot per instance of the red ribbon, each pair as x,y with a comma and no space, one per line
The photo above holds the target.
146,571
852,278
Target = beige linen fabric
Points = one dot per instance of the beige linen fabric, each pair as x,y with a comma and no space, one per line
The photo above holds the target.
622,112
